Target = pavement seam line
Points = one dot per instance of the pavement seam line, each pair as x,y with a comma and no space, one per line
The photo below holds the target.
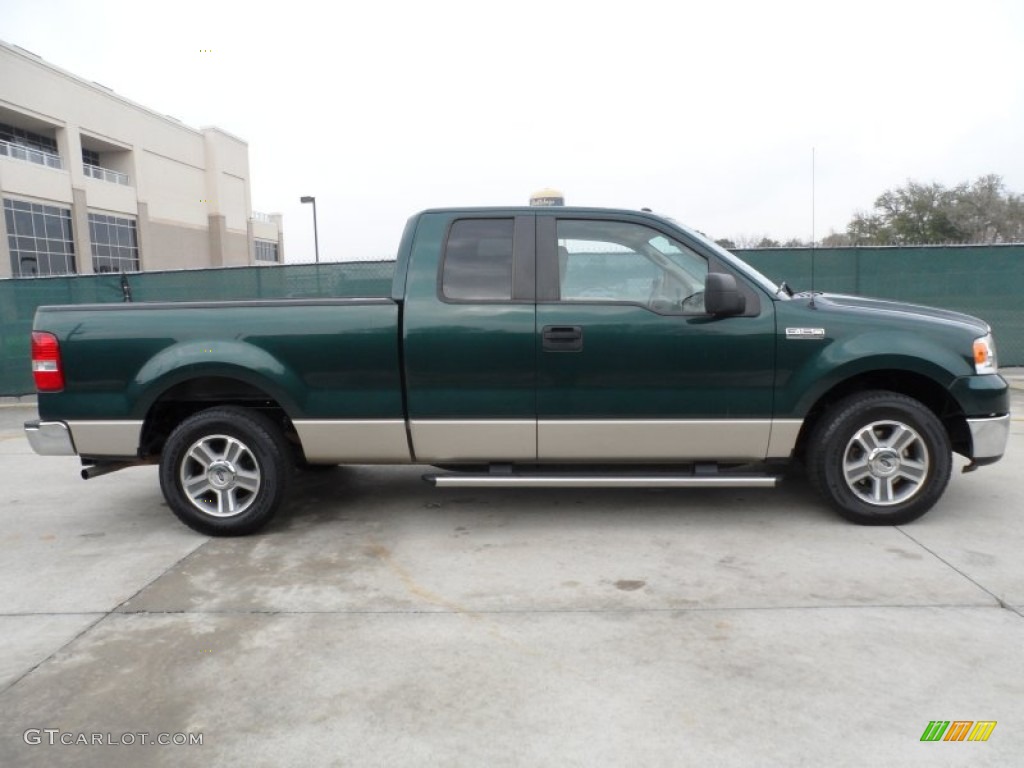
34,667
102,617
999,601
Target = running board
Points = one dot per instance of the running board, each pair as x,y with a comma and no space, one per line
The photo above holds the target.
482,480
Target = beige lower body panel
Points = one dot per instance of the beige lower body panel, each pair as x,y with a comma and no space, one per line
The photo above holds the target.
653,440
500,440
353,441
611,441
437,441
784,435
106,438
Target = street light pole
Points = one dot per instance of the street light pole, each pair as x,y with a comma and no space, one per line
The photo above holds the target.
316,237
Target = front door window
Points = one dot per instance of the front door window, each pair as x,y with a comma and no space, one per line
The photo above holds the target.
621,262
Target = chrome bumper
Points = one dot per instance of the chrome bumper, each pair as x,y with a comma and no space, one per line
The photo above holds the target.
989,437
50,438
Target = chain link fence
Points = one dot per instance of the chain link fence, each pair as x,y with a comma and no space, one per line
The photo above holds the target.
982,280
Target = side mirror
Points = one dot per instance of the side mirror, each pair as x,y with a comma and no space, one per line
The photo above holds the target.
722,296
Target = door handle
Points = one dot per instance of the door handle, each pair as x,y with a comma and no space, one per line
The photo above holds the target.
562,338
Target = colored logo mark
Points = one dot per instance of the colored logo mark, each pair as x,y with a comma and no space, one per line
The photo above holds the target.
958,730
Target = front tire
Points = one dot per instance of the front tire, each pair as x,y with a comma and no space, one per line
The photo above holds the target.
880,458
225,471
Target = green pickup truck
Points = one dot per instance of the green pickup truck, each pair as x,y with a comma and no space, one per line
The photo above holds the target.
528,347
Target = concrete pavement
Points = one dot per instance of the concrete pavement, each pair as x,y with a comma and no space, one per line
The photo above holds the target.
382,622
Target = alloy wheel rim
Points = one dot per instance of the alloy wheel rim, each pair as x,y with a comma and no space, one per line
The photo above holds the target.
220,476
885,463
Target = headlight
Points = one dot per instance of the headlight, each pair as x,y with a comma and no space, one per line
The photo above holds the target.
985,355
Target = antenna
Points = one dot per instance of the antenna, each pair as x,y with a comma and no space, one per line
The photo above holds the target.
813,195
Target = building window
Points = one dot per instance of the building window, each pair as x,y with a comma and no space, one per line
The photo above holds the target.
39,237
92,168
26,145
266,250
28,139
115,244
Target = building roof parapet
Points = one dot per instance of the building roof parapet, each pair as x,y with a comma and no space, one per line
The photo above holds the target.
92,85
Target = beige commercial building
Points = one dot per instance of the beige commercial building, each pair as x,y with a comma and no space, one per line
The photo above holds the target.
92,182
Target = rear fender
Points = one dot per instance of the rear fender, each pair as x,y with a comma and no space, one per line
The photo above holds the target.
226,359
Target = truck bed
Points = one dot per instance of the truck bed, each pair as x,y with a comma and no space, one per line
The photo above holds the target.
333,358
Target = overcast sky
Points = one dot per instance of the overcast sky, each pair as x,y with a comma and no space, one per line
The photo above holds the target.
705,111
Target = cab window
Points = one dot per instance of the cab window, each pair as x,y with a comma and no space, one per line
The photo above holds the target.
611,261
478,260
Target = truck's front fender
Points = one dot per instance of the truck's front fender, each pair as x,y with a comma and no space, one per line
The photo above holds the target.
810,368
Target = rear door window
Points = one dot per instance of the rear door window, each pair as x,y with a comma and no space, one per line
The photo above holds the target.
478,260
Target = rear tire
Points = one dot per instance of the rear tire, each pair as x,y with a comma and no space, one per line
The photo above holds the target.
880,458
225,471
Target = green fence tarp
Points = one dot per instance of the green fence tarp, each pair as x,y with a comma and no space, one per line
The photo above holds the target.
20,297
982,280
986,281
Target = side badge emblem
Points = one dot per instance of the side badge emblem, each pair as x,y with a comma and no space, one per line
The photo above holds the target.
805,333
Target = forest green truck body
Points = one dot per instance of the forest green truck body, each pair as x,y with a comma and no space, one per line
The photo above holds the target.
525,340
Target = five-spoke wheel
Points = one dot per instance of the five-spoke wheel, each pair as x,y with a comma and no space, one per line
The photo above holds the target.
220,475
885,463
224,470
881,458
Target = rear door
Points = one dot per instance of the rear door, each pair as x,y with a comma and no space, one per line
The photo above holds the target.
469,338
630,367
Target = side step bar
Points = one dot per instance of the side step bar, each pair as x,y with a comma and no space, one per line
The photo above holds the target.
482,480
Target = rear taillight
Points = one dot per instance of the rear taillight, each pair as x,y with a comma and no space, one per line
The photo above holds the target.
46,366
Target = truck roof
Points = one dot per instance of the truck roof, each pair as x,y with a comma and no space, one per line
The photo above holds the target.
541,209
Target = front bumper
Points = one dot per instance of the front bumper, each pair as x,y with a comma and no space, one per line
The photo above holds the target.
989,437
987,393
50,438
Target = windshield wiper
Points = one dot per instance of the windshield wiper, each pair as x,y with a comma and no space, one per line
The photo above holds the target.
786,288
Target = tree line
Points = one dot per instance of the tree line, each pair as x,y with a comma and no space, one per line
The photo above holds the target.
982,211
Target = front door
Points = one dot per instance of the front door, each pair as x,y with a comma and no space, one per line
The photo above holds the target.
630,367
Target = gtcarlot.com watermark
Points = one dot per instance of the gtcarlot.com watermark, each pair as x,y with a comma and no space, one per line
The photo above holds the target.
56,737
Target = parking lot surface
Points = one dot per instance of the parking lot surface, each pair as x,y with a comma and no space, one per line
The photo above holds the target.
381,622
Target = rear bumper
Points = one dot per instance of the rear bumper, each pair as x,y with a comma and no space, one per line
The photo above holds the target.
50,438
989,437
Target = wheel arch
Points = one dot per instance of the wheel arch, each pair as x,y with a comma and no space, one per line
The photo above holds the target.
179,400
918,386
198,359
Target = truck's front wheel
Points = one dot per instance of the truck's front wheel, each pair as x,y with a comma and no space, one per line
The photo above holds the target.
224,471
881,458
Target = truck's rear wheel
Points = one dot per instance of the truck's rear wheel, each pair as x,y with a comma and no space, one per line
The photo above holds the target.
224,471
881,458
